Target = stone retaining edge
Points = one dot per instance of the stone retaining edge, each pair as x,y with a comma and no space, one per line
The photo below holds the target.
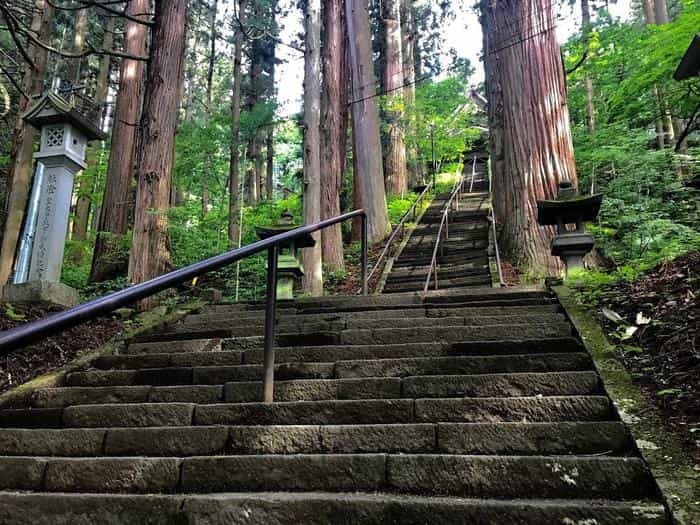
678,482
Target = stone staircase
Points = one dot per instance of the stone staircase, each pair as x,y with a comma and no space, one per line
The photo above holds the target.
462,260
463,406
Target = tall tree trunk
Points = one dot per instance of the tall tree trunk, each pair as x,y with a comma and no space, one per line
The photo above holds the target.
334,128
408,37
74,70
270,163
23,146
395,159
660,12
86,184
648,7
150,247
587,81
206,175
311,257
109,258
367,147
531,77
234,166
191,70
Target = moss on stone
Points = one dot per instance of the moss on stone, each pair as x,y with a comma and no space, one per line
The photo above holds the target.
678,481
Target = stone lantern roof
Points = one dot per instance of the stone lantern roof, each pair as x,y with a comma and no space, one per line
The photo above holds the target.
52,108
690,63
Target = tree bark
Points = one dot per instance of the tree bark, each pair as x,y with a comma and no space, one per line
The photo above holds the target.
109,258
234,166
408,37
395,159
587,81
334,128
660,12
530,76
311,257
150,247
74,66
86,185
270,163
24,136
206,175
367,147
648,7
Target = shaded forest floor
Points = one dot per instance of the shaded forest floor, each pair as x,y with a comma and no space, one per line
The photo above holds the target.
32,361
654,321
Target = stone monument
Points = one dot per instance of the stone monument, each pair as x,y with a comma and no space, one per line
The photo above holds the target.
65,130
289,267
570,208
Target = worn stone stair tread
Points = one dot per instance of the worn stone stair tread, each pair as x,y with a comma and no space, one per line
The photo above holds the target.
432,474
414,311
338,353
483,385
579,438
268,508
347,369
339,323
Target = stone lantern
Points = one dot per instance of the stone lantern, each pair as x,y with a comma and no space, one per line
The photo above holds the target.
570,208
288,266
65,130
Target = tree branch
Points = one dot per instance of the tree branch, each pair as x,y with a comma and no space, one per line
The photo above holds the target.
578,64
693,124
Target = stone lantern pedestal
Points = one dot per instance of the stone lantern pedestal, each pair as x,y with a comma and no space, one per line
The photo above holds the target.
289,268
64,133
569,208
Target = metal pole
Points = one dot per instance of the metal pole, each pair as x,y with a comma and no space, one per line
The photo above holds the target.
364,254
432,146
269,368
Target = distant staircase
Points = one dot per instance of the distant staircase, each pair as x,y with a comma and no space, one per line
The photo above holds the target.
463,256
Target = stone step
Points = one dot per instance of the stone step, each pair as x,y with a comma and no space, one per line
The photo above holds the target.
384,411
445,273
409,350
195,345
441,386
334,333
410,271
443,283
317,508
312,324
342,303
410,310
433,474
399,367
338,353
608,438
425,259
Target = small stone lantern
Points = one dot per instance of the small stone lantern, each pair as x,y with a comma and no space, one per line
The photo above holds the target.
288,266
570,208
65,130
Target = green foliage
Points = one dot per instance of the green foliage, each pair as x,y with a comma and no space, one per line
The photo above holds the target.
441,111
649,214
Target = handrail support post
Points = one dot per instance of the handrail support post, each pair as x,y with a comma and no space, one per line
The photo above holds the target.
364,254
270,321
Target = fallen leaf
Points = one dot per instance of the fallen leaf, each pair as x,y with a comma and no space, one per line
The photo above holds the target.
613,316
642,320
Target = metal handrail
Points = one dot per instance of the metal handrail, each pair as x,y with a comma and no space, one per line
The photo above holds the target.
443,225
471,185
29,332
495,232
399,227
